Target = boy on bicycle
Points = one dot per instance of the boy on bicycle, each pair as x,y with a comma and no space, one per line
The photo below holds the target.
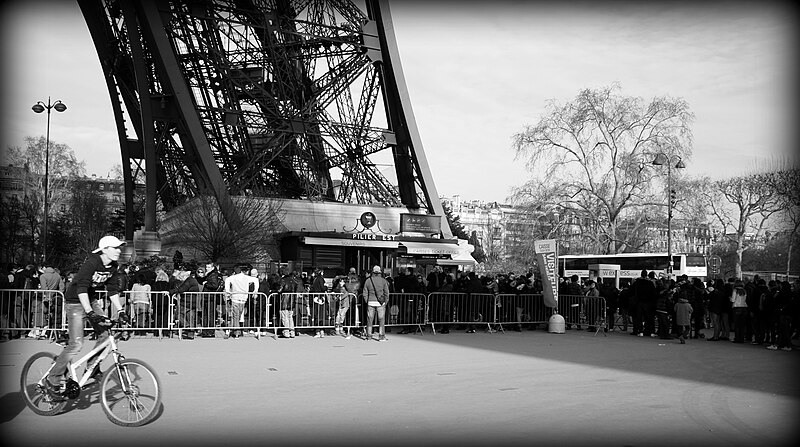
81,302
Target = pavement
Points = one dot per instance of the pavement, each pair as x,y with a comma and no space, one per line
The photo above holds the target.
528,388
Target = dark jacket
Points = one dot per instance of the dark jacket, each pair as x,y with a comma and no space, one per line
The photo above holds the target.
190,300
92,276
645,290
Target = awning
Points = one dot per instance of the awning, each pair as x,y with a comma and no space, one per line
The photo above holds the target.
455,261
311,240
426,248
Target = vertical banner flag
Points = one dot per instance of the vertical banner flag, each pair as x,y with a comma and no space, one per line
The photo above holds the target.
547,256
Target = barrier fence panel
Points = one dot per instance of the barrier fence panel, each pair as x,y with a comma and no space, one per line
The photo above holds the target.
31,313
406,309
440,309
583,312
518,309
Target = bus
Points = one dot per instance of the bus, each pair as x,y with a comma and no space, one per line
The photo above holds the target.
693,265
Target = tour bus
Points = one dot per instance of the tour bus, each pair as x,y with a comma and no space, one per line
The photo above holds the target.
631,265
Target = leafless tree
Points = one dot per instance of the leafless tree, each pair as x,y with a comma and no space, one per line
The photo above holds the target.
742,206
63,167
786,184
201,226
593,155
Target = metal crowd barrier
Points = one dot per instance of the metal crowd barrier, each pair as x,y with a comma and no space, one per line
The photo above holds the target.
212,314
24,312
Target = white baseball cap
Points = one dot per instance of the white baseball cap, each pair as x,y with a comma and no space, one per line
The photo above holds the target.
376,269
108,241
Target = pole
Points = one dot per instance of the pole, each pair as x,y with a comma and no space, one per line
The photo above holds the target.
669,219
46,184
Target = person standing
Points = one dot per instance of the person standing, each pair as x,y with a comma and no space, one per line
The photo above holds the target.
140,297
186,292
81,302
739,301
237,289
289,289
717,303
213,307
318,290
645,292
352,285
48,280
664,307
376,295
683,316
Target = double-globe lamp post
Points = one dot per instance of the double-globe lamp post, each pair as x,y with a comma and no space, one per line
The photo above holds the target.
664,159
40,107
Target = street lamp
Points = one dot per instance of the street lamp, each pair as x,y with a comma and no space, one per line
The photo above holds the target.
664,159
40,107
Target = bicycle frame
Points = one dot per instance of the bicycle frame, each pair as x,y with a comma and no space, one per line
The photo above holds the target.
109,346
102,351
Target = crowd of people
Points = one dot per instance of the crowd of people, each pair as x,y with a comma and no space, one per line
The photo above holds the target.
756,311
205,295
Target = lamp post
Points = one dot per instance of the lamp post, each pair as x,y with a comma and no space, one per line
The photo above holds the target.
40,107
664,159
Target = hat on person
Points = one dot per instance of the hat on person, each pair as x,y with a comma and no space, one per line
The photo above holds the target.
376,269
254,272
352,269
108,241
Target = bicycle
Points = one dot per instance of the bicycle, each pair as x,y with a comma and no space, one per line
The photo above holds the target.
130,391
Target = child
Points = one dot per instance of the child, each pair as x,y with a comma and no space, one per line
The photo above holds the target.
683,317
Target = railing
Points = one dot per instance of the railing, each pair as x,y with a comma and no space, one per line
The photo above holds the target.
209,314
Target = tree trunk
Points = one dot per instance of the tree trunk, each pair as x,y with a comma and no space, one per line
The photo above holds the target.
739,251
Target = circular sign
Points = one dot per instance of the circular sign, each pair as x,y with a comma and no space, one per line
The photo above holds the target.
714,263
368,220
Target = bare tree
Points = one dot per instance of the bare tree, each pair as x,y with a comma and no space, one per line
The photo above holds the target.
88,216
786,184
593,154
741,206
13,237
200,225
63,167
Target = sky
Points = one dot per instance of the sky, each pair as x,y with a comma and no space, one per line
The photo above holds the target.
479,72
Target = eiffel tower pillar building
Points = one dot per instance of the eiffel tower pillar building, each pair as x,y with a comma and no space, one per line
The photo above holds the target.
302,104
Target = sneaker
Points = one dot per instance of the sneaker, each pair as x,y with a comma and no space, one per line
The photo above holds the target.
53,389
318,334
772,348
383,338
640,334
786,348
754,343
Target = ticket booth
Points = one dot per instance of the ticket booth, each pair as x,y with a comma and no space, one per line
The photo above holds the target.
598,272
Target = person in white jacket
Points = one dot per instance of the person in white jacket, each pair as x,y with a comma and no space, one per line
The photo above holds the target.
237,288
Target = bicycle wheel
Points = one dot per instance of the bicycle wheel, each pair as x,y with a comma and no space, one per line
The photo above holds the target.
130,393
36,396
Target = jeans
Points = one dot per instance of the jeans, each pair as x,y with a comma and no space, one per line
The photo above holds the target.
75,316
287,322
381,311
235,312
739,323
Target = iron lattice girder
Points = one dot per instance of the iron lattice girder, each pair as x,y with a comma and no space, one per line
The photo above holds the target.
286,96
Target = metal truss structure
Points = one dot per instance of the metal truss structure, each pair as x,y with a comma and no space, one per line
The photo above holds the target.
299,99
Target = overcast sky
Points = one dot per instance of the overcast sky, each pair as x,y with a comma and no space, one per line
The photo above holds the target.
477,73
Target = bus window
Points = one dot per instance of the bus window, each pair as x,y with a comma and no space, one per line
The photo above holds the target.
695,261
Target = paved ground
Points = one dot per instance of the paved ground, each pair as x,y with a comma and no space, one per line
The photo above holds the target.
529,388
